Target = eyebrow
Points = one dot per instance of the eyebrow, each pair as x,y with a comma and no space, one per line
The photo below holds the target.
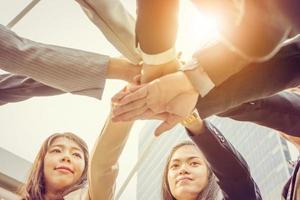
189,158
63,146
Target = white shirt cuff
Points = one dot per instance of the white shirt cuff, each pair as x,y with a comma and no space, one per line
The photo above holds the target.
159,59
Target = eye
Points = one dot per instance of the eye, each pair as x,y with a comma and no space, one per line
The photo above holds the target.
55,151
194,164
77,155
174,166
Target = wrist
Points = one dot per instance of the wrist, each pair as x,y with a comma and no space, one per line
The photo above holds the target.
122,69
151,72
198,77
194,124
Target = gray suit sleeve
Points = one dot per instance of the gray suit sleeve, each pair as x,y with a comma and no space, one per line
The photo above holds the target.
15,88
66,69
116,23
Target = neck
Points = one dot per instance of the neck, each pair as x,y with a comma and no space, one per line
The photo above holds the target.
52,195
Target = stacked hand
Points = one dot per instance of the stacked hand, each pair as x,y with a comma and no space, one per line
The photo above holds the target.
170,98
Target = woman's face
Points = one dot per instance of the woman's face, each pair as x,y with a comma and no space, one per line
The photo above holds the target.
187,173
63,164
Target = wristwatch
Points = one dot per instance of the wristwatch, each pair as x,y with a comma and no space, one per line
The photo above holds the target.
198,77
191,119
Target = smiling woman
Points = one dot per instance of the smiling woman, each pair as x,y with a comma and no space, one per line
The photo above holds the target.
63,170
188,175
60,167
208,169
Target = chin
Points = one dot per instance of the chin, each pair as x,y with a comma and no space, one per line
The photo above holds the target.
63,183
186,191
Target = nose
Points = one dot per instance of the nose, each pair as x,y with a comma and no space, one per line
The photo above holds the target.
183,169
66,158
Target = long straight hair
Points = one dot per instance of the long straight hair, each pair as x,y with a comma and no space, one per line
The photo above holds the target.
210,192
34,188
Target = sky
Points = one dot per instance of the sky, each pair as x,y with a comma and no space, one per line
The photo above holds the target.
25,125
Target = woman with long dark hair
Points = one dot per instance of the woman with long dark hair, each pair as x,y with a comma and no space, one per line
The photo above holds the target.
60,167
209,168
63,170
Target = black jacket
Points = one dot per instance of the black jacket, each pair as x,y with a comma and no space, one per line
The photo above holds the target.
228,165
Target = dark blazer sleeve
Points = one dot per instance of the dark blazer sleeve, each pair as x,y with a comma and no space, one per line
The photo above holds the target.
280,112
227,164
255,81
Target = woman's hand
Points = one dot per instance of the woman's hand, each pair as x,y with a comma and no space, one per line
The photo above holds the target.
120,68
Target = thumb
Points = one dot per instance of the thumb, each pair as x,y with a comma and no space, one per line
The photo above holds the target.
167,125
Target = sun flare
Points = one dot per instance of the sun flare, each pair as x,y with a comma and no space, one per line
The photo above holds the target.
195,29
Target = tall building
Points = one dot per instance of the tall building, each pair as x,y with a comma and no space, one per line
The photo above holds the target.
13,173
266,153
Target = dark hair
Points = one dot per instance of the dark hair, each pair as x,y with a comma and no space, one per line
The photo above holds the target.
211,190
34,188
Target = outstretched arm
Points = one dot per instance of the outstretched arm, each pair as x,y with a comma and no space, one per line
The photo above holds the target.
103,169
226,162
116,24
66,69
15,88
280,111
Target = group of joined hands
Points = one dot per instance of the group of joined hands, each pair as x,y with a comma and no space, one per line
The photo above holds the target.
157,92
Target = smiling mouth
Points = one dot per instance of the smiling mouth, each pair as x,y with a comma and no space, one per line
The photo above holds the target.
184,179
64,170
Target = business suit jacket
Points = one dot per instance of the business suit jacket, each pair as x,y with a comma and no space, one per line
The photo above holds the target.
66,69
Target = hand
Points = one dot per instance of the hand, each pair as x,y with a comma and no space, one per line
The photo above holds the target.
151,72
120,68
172,94
183,102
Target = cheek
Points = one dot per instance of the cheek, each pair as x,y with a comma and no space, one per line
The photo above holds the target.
79,165
49,165
201,175
171,180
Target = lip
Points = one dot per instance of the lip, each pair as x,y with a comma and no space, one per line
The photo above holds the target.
182,178
64,169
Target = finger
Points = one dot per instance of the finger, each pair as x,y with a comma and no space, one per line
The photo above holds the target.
134,95
125,91
117,97
130,115
167,125
149,114
160,116
121,109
